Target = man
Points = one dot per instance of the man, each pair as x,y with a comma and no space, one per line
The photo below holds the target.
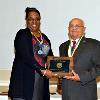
81,85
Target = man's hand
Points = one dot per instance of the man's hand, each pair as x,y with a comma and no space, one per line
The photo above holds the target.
74,76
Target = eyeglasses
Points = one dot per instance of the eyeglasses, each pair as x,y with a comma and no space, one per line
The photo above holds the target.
76,27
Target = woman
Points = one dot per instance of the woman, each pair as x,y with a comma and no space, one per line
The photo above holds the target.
28,78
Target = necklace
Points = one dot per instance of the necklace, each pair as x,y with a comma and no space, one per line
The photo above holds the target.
41,38
77,44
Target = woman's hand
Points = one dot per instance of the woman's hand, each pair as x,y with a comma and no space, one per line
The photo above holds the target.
48,73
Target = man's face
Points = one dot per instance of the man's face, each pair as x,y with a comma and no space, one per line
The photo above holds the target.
76,28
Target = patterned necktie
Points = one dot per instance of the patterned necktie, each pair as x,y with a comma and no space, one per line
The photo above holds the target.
73,46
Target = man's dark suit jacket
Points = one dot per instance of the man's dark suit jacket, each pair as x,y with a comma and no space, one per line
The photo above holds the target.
24,66
87,66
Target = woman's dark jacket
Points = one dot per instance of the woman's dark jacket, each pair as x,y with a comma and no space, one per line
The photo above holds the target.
24,66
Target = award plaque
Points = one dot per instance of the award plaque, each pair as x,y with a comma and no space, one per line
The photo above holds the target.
61,66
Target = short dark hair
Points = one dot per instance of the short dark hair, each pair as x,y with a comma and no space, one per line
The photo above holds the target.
28,9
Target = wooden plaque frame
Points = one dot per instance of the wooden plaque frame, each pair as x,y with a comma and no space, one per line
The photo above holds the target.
60,74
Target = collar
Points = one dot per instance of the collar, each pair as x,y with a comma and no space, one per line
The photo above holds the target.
74,40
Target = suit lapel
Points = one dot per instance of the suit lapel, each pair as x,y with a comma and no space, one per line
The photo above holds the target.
79,49
66,47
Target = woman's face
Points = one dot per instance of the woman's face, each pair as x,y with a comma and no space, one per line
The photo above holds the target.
33,21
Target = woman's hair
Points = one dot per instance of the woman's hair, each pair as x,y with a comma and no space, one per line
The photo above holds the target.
28,9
